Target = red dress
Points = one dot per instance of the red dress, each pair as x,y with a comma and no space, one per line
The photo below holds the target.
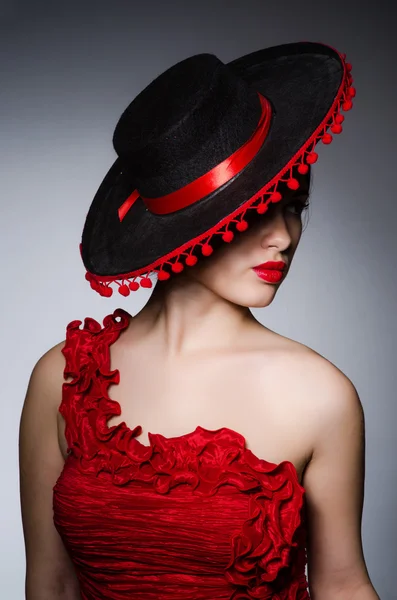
193,517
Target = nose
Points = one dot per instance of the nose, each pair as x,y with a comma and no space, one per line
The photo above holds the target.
275,231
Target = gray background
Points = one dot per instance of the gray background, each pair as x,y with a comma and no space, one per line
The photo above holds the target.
66,75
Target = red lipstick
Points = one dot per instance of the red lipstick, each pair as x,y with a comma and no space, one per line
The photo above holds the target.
271,271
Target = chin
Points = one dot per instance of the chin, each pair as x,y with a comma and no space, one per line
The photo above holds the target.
265,298
252,296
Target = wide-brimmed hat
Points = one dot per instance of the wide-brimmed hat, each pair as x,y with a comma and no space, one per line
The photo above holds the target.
204,143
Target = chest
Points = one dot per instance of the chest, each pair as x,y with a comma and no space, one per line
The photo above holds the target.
253,393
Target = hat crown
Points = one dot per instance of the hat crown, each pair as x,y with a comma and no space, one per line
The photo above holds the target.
186,121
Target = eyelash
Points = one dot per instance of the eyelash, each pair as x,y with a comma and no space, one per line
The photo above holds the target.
301,205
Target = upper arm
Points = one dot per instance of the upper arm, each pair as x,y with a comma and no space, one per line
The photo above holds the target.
334,484
48,567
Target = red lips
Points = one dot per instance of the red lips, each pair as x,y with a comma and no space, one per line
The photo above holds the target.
271,264
271,271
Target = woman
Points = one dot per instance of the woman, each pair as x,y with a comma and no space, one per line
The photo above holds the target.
259,467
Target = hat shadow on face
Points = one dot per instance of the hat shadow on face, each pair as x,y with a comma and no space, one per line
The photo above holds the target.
253,219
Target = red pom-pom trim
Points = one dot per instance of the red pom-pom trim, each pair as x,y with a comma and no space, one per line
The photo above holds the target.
303,169
105,290
146,282
163,275
348,105
242,225
293,184
177,267
327,138
207,250
228,236
191,260
275,197
311,158
336,128
124,290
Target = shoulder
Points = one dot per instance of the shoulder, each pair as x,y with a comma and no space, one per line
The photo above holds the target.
52,367
327,394
315,369
47,374
332,388
43,396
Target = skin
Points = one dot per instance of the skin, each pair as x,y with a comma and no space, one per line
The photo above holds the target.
219,290
215,365
227,276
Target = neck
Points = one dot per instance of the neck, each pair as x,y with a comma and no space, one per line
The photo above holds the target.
185,316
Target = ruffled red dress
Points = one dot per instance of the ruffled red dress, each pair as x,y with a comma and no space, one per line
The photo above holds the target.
193,517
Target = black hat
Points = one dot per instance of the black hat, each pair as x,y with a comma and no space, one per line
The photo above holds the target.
199,147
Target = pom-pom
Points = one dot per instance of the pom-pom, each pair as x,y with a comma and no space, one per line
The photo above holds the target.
146,282
293,183
206,249
124,290
327,138
134,286
311,158
261,209
228,236
275,197
303,169
242,225
177,267
105,290
352,92
336,128
347,105
163,275
339,119
348,67
191,260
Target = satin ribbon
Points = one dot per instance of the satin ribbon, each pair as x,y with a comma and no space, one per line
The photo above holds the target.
211,181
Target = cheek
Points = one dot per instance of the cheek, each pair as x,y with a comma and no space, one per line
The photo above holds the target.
225,264
296,232
234,258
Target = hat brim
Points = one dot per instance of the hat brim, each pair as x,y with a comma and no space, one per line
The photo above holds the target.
306,84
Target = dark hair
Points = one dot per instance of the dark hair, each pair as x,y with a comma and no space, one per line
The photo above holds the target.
308,202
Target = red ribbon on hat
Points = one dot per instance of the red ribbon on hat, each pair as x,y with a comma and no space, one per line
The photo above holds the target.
215,178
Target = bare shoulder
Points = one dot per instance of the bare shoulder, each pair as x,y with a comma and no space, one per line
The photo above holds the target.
327,394
45,384
48,370
316,368
44,393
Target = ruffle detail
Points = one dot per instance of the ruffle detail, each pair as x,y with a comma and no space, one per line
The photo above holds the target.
268,557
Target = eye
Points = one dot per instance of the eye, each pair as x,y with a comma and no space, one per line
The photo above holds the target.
300,204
